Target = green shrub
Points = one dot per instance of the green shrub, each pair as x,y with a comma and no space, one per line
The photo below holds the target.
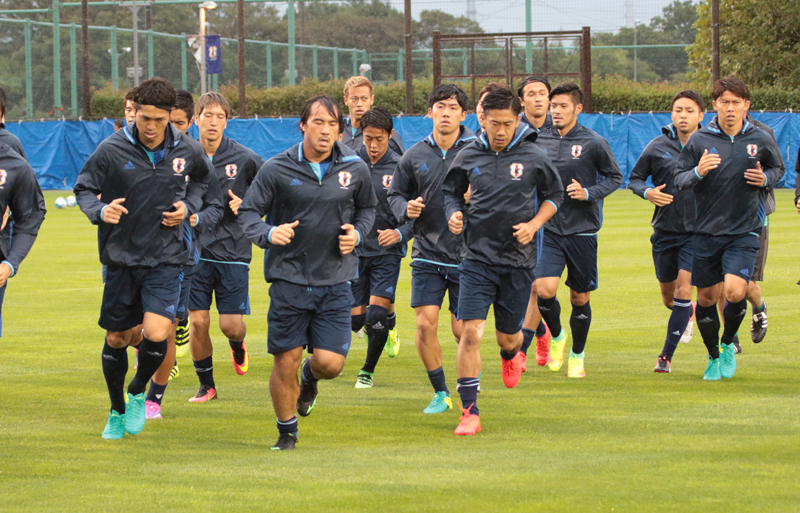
609,94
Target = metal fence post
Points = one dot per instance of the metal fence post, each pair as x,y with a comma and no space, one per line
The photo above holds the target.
150,53
336,63
184,78
292,66
586,70
114,59
56,55
355,63
28,70
73,69
269,63
400,58
314,67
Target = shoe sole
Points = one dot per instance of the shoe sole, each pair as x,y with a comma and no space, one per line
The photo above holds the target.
470,434
202,399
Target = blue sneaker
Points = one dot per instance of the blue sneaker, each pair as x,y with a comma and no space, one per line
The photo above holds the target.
440,403
712,370
135,414
727,361
115,427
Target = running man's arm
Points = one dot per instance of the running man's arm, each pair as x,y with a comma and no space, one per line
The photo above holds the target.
402,189
607,167
89,185
365,203
685,173
210,216
454,187
256,204
28,217
641,171
199,176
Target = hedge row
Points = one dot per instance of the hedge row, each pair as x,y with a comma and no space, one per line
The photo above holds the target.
609,94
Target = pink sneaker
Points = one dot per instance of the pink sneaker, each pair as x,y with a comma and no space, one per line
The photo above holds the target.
152,410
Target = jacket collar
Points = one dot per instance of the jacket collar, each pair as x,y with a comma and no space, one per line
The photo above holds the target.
714,126
465,136
387,157
172,136
523,132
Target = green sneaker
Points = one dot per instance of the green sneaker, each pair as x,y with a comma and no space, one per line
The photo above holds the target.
135,414
727,361
392,343
364,379
555,358
440,403
115,427
712,370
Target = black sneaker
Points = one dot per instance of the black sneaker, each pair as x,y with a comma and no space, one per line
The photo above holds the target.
308,395
663,365
286,442
758,328
737,347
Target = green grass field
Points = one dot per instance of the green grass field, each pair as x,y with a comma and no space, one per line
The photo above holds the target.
623,439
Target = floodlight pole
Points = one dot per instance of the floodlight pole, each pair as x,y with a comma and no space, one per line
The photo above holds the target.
135,11
409,67
87,96
203,84
715,71
242,76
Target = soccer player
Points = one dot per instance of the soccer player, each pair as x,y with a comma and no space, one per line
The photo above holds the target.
534,93
224,268
673,219
7,137
182,117
358,98
728,163
211,213
506,172
21,195
381,251
118,123
589,171
488,88
416,193
320,198
149,177
130,106
758,324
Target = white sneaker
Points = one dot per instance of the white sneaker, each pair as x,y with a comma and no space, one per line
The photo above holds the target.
360,333
687,335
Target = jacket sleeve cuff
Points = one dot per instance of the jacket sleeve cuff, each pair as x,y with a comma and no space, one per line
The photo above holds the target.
196,220
400,234
546,201
587,194
269,235
697,174
13,271
358,240
644,194
186,209
766,181
102,212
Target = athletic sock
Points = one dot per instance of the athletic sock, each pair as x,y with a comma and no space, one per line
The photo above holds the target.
115,366
156,393
377,333
438,382
527,340
733,313
579,323
238,350
505,355
707,320
392,320
678,320
307,375
288,426
541,329
205,371
357,321
468,390
551,314
759,309
151,356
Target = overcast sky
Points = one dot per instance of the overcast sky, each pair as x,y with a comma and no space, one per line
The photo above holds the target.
548,15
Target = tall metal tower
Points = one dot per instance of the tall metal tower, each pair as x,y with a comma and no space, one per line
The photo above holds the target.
630,14
472,12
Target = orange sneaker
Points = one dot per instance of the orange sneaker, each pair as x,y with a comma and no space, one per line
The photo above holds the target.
523,362
543,347
512,370
469,424
241,369
205,394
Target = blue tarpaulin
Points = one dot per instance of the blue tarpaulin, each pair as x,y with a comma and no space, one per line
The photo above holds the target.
58,149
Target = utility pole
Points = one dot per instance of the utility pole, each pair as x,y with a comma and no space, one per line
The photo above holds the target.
715,71
409,67
635,60
242,77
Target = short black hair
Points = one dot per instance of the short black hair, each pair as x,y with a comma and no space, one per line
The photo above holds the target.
119,123
501,99
734,85
156,92
530,80
447,91
569,88
377,117
2,102
331,105
690,95
130,94
184,101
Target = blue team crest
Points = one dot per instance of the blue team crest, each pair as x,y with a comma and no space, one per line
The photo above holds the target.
344,179
386,181
516,171
178,165
752,149
577,150
3,176
230,170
